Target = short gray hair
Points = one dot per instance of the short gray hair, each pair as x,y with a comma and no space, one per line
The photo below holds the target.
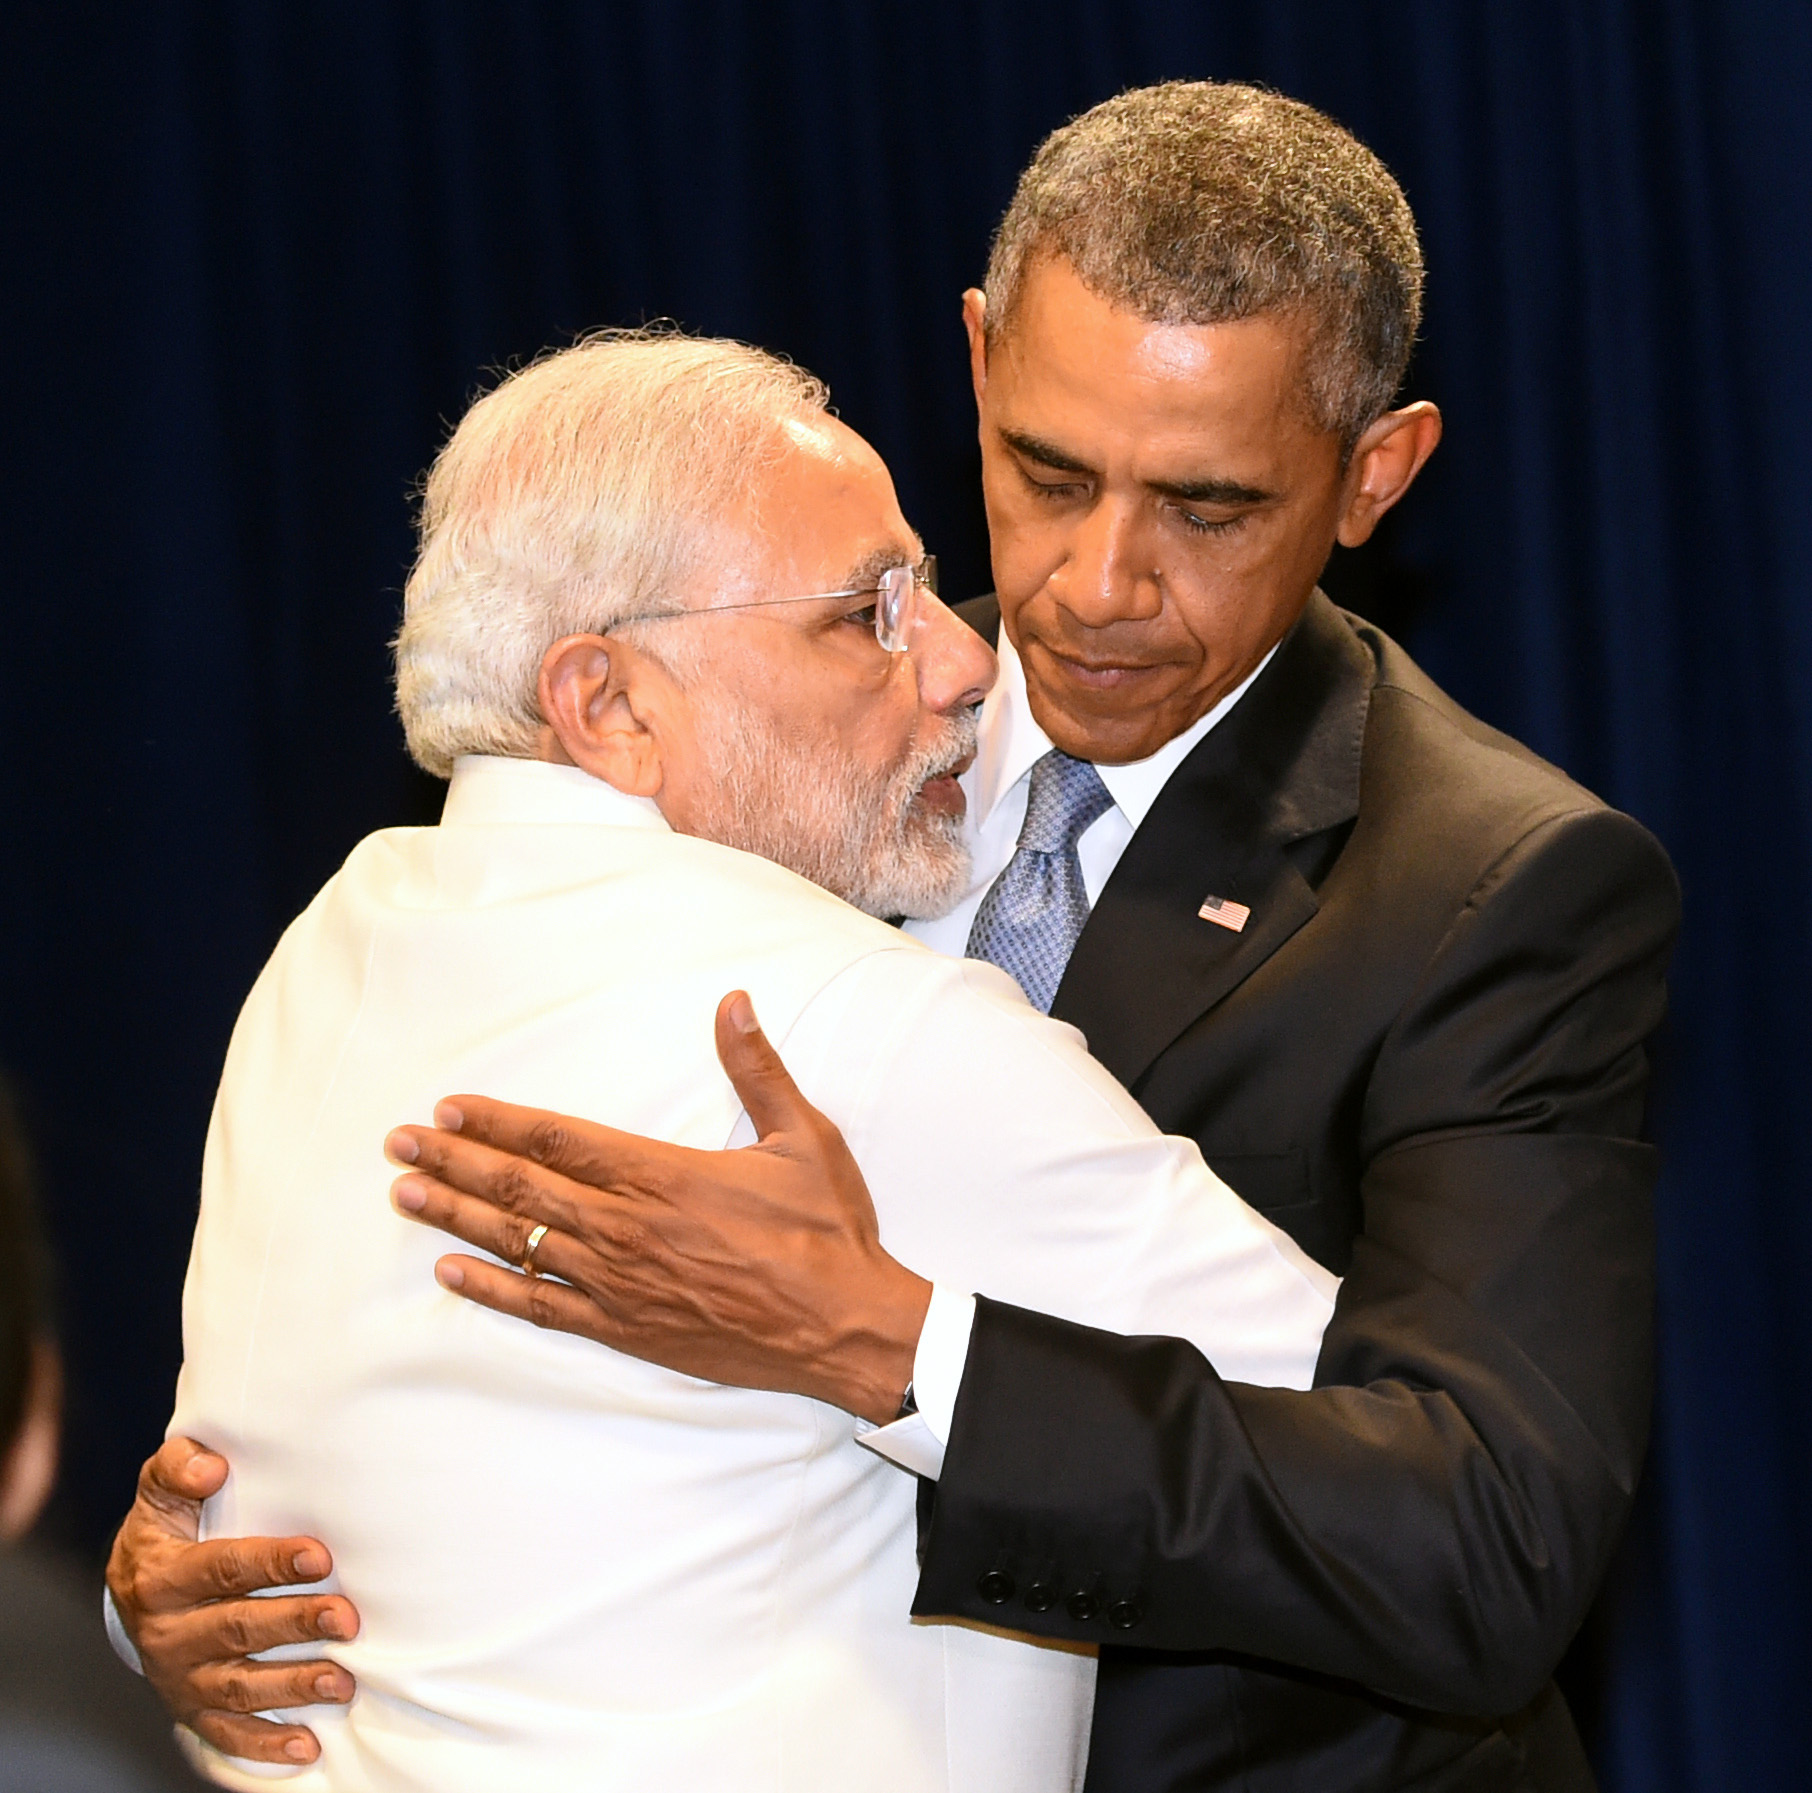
1200,202
582,490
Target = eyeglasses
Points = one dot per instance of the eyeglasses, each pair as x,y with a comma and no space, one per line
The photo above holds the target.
896,603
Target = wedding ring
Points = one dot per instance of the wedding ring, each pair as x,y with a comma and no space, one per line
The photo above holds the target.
528,1251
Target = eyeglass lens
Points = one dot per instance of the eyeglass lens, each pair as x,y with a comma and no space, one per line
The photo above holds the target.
891,601
896,602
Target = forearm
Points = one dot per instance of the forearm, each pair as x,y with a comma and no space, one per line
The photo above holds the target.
1430,1520
1374,1534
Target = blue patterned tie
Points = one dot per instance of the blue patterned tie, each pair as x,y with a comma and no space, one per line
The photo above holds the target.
1028,922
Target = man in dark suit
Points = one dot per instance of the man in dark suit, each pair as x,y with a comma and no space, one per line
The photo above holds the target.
1391,971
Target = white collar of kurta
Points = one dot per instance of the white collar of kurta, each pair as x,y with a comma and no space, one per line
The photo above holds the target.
1012,743
488,790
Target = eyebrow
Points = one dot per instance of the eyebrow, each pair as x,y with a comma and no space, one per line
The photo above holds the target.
867,571
1191,491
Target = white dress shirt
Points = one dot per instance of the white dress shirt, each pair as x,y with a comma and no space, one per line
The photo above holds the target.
997,785
576,1569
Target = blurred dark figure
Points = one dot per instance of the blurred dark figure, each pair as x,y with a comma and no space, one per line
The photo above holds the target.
72,1720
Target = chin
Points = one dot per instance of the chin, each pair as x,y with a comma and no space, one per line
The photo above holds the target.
924,876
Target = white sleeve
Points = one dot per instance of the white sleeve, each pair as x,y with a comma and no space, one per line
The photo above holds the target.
917,1442
1004,1160
123,1646
937,1365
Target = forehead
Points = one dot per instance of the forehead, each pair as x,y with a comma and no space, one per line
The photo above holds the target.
825,505
1070,358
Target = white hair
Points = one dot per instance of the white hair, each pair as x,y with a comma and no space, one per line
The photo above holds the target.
583,490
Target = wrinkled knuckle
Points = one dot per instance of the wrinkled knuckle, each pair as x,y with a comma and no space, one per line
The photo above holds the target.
629,1239
543,1309
230,1572
548,1142
232,1688
233,1633
513,1187
513,1238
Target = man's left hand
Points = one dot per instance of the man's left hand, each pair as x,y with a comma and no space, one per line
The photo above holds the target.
200,1614
760,1268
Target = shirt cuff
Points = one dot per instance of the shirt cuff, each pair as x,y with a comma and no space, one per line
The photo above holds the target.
123,1646
917,1442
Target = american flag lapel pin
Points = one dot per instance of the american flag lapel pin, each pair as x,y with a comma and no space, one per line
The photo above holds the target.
1225,913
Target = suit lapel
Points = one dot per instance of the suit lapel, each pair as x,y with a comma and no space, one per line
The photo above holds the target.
1282,766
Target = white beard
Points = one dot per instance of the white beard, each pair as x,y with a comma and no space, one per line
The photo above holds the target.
807,805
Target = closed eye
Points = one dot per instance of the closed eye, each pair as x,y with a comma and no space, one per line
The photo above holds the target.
1051,488
1212,525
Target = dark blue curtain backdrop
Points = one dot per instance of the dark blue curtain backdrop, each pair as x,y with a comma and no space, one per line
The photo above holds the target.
257,256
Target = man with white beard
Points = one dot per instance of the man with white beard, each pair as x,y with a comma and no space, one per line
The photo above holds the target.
675,645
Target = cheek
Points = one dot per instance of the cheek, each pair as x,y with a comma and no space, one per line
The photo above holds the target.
1024,535
865,715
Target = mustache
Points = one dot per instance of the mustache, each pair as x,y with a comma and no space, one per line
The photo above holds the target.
955,743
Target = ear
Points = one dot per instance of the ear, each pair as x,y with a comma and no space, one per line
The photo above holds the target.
975,319
601,704
1386,460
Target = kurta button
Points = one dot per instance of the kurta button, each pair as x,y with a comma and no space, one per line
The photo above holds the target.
1123,1615
1082,1606
996,1587
1040,1597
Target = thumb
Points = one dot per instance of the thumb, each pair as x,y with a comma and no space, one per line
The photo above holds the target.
177,1478
765,1085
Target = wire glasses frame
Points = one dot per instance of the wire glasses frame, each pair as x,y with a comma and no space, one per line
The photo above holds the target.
895,595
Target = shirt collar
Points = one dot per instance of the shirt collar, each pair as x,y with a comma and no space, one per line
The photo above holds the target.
488,790
1012,743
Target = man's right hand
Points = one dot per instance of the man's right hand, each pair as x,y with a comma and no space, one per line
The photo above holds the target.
187,1607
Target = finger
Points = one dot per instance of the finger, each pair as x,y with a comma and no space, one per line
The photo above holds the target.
224,1629
255,1739
761,1080
500,1180
225,1567
249,1687
466,1217
177,1477
585,1151
492,1200
553,1306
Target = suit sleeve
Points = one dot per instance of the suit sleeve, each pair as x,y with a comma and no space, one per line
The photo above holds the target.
1432,1518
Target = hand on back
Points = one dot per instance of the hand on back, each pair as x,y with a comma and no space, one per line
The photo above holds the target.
759,1268
200,1613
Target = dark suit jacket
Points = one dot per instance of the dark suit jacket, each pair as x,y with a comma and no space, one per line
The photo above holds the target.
1424,1058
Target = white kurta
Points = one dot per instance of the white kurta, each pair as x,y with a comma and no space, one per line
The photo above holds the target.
576,1570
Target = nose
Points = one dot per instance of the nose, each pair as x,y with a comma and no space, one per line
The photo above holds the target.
955,667
1110,573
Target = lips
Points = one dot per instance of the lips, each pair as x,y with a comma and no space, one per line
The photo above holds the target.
1098,675
941,791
